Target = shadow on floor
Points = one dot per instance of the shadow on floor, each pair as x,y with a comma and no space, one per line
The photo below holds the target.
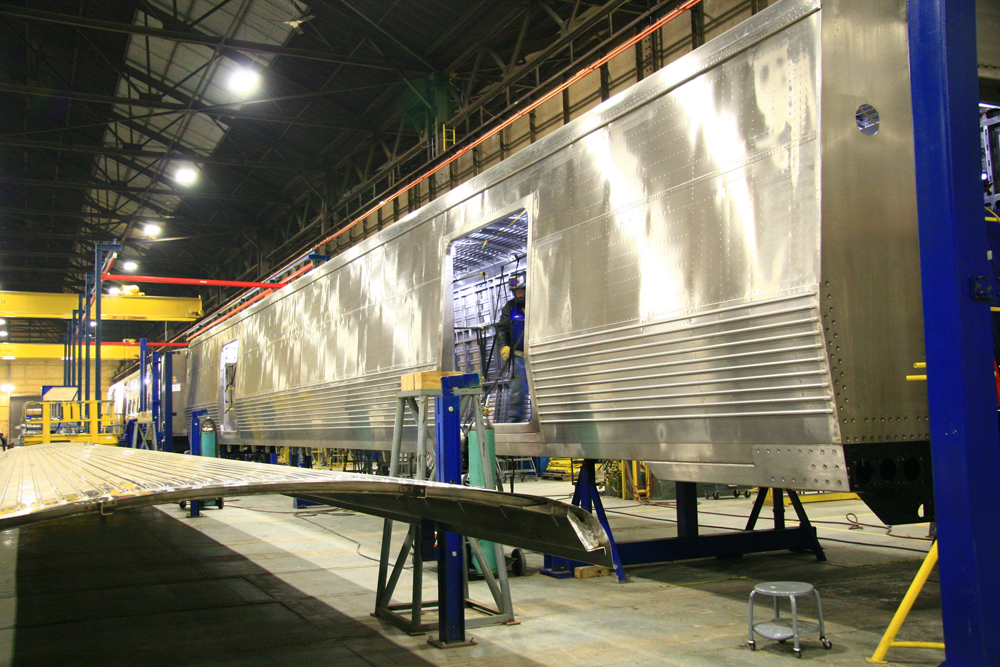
142,588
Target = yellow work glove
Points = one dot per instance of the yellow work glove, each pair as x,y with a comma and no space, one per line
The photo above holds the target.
505,352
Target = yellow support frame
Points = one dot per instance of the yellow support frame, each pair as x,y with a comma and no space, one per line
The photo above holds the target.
120,307
889,638
56,351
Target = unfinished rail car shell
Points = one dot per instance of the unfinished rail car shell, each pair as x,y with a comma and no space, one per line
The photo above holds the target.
723,278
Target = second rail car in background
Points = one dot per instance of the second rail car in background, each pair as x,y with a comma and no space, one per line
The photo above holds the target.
721,268
125,393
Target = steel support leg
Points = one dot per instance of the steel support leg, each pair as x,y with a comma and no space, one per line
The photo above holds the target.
961,391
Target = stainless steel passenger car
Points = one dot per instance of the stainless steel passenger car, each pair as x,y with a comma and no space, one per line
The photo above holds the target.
723,278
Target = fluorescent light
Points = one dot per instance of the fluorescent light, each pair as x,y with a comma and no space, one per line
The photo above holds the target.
3,334
114,290
2,321
243,80
9,358
151,229
93,323
6,388
186,175
130,266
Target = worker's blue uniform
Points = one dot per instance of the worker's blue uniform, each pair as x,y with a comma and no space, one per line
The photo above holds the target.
510,333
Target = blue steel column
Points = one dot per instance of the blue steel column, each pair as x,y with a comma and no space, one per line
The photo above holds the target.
154,396
86,337
99,251
79,349
963,409
143,360
451,547
67,357
168,401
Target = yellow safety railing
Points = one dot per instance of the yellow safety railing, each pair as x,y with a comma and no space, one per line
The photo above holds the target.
92,421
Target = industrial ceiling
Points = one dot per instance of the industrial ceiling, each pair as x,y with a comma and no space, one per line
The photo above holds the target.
106,102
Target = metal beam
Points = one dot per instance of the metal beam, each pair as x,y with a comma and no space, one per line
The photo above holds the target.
191,281
211,41
221,111
128,189
58,351
113,151
61,306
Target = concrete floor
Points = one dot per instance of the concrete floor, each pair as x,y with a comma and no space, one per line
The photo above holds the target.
257,584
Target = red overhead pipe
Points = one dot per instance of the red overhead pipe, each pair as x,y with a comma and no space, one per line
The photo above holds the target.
190,281
257,297
127,344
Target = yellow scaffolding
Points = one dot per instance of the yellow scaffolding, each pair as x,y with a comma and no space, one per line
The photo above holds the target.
45,422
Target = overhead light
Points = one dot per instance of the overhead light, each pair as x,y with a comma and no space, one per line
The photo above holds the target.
9,358
151,229
3,334
186,175
93,323
243,80
2,321
130,266
114,290
6,388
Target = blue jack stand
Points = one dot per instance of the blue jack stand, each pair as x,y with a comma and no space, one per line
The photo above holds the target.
587,498
448,549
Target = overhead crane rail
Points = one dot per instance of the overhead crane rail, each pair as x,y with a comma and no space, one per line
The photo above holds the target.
113,307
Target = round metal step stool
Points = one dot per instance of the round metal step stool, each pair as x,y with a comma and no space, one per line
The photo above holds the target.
782,629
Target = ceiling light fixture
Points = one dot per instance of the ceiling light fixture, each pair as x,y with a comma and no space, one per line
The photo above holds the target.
114,290
130,266
8,358
3,334
186,175
2,321
151,229
243,80
6,388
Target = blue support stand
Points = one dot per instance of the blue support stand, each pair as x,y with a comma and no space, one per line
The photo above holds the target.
962,398
587,497
451,547
195,436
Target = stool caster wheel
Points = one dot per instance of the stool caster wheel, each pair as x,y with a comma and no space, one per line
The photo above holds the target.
827,644
752,644
183,504
798,653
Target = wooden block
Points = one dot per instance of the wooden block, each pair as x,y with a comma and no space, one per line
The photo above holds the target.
426,380
588,571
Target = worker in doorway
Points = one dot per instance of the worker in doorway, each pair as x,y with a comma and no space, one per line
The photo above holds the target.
3,441
510,336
